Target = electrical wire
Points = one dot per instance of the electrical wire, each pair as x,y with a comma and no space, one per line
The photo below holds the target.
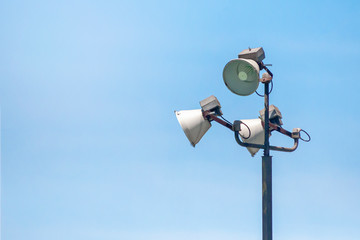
271,88
247,128
225,120
307,140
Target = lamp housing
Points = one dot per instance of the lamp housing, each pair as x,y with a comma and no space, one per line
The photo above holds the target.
274,115
211,104
193,124
241,76
256,54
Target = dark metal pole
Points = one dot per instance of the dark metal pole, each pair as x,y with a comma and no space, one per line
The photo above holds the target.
267,175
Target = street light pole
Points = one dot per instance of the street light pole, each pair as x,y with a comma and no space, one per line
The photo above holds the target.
241,76
267,175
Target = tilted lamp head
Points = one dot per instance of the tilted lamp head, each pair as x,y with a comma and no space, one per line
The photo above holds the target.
252,131
193,124
241,75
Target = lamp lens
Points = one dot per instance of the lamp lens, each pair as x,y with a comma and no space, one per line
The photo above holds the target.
242,76
246,72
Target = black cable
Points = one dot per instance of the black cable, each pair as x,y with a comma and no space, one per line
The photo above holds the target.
248,129
226,120
240,124
307,140
271,88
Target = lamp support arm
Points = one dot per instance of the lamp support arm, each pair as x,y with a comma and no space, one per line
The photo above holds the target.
263,66
236,128
208,115
276,148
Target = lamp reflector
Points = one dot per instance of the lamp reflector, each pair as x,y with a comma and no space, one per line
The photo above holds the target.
257,133
193,124
241,76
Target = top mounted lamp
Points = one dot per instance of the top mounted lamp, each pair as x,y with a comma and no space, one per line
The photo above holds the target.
241,75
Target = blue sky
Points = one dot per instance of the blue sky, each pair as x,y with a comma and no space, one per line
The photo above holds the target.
90,146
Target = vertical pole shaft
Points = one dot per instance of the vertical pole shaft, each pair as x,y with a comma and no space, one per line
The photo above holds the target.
267,176
267,133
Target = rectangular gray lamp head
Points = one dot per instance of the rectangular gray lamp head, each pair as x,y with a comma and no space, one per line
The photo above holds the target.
274,115
256,54
211,104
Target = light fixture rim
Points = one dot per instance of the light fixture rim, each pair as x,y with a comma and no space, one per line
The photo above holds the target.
252,63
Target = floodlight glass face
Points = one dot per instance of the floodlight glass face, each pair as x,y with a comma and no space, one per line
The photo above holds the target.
193,124
241,76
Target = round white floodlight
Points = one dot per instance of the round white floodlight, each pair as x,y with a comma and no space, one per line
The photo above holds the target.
252,132
193,124
241,76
